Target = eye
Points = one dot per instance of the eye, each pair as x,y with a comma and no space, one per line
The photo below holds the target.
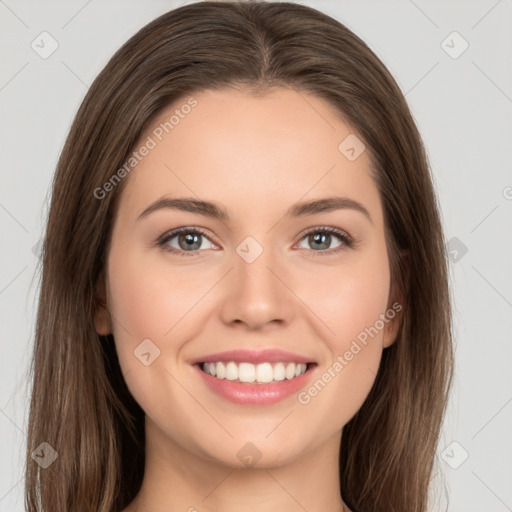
321,239
188,241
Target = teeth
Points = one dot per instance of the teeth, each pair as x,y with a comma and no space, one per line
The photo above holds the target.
290,371
231,371
264,372
260,373
247,372
279,371
220,370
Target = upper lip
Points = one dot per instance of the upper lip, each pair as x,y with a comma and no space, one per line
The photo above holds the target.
254,356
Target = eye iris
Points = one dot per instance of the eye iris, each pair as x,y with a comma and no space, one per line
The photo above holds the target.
321,238
190,240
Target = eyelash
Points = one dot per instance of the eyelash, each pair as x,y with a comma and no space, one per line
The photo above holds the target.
347,241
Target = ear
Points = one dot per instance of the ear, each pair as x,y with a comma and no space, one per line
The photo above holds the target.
396,302
102,320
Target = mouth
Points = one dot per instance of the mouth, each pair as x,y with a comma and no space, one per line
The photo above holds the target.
255,378
249,373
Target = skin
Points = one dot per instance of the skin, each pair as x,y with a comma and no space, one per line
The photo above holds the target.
255,157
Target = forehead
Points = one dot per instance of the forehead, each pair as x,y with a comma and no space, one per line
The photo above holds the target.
236,147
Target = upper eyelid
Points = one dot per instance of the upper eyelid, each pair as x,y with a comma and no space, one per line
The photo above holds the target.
169,235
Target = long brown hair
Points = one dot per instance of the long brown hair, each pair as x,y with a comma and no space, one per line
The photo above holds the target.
80,403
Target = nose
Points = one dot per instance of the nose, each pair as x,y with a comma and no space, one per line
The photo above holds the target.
257,294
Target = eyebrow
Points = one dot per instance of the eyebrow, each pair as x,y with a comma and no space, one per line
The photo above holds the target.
302,209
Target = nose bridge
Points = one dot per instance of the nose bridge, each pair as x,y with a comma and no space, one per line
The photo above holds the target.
252,267
256,295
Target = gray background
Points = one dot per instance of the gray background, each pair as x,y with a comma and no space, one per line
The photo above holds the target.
462,103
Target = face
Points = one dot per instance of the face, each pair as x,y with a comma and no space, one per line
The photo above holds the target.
270,275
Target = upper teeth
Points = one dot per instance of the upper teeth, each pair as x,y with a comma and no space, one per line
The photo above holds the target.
247,372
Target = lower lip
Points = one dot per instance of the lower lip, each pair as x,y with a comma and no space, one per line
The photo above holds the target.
253,393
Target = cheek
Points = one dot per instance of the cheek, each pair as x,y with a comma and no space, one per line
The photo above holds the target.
351,307
348,298
137,320
148,299
145,304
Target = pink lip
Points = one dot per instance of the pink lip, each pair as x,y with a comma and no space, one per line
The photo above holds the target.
253,356
253,393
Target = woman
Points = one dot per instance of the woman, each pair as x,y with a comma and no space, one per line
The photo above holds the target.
244,300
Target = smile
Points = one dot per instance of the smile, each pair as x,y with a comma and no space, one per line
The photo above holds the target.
262,373
255,377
